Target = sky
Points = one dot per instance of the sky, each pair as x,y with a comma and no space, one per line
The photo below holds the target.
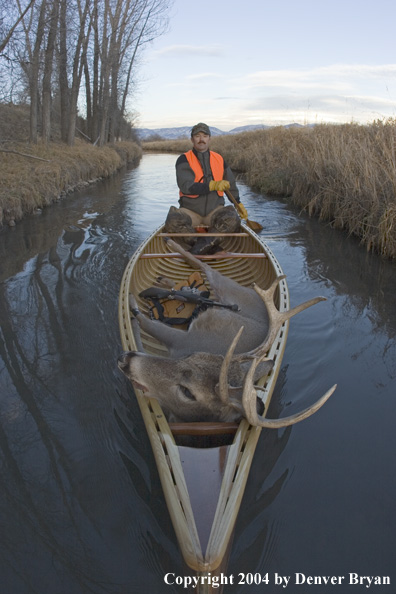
233,63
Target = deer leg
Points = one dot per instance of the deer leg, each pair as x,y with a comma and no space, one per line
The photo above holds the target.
227,290
166,334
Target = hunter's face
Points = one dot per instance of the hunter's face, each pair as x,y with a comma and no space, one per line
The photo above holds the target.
200,142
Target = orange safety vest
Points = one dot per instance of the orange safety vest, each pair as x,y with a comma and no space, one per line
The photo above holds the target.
216,164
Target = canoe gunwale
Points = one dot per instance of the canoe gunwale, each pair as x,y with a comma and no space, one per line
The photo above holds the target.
166,453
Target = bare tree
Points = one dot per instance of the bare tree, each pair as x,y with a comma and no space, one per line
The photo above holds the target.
12,80
8,34
29,56
149,26
121,28
100,39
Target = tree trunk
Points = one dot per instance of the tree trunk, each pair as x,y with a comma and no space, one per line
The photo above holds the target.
62,68
78,63
95,79
88,98
49,55
104,89
34,75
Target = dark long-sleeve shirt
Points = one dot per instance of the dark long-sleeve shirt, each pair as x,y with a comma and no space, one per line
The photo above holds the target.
206,201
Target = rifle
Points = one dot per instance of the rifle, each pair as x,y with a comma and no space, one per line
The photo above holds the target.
185,294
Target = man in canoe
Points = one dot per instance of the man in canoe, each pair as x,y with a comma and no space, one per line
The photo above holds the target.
203,176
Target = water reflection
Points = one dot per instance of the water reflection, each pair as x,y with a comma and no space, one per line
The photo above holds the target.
77,492
81,504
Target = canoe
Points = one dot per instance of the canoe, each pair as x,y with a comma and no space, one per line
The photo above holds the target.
203,482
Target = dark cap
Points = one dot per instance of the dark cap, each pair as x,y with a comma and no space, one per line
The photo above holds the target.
200,128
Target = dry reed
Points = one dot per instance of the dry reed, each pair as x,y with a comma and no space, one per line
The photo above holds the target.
34,176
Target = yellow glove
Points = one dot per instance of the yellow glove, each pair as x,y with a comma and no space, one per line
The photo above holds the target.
219,186
242,211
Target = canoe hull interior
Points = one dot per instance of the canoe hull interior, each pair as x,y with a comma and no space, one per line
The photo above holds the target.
203,511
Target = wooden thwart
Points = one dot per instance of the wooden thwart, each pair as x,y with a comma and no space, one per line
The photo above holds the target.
206,234
203,428
218,256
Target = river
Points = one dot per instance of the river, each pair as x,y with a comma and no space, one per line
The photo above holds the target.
81,504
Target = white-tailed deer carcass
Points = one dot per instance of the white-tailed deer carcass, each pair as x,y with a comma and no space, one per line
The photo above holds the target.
212,367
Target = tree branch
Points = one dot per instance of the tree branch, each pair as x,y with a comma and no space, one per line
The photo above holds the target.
11,31
24,155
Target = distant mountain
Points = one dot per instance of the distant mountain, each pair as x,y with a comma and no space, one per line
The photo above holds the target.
185,131
248,128
171,133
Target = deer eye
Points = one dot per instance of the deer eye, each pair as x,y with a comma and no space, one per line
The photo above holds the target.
187,393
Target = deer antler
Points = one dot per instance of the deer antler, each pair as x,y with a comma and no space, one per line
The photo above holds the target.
276,318
223,378
249,405
249,397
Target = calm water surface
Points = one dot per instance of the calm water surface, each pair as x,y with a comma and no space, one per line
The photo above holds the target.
81,505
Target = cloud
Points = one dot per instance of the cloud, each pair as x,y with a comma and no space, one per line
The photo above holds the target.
338,77
358,70
204,76
296,80
327,107
335,93
229,98
290,101
181,51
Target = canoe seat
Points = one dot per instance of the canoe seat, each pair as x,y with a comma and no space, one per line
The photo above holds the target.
203,428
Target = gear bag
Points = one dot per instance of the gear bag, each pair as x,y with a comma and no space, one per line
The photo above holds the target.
181,304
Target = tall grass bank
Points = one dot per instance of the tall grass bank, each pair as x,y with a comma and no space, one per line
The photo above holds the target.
34,176
344,174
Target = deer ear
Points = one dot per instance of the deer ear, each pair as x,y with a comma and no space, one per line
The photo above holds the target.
263,368
236,405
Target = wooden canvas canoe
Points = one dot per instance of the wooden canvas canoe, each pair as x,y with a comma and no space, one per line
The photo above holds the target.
203,486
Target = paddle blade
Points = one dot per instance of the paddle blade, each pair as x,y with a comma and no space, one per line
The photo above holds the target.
254,225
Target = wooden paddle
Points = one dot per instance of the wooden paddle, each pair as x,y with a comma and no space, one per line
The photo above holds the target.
252,224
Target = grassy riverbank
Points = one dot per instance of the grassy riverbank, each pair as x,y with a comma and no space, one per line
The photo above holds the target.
344,174
34,176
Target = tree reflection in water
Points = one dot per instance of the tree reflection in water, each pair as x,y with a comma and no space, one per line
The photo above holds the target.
69,509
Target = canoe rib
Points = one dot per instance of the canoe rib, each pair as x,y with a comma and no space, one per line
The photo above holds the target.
139,274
